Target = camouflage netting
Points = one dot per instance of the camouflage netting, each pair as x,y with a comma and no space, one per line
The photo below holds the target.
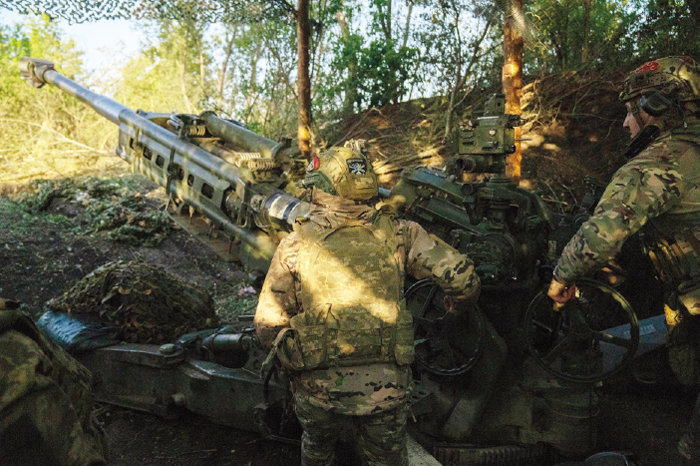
80,11
109,205
144,302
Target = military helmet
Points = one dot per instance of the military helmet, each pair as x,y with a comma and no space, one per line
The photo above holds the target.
677,77
344,172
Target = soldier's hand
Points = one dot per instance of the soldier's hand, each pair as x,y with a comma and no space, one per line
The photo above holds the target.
456,306
560,293
449,303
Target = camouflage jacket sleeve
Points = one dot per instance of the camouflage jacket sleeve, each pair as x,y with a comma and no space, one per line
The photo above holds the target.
427,256
39,421
644,188
277,303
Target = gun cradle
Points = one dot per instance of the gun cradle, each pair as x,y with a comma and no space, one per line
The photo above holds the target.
223,196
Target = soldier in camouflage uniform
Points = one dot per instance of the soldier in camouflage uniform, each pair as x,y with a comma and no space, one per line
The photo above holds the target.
45,399
332,310
657,193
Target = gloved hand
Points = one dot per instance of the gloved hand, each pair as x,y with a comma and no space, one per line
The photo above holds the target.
560,292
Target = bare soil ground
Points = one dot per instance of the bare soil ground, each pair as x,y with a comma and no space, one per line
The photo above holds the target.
573,132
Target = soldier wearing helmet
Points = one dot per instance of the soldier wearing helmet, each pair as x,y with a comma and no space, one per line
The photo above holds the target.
657,192
45,399
332,310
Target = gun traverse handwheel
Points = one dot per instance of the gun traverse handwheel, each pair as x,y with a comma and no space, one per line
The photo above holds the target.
592,337
446,344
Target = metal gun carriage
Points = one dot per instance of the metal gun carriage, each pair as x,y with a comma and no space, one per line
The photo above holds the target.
505,378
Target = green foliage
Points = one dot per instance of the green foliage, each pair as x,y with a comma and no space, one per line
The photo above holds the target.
615,33
382,69
456,33
666,27
171,73
105,205
234,303
245,66
370,68
47,125
16,222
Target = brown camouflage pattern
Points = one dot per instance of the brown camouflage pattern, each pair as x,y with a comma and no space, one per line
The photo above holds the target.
45,400
658,190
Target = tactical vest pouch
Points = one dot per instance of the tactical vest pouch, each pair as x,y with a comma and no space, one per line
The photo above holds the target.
404,350
286,349
357,338
310,347
674,259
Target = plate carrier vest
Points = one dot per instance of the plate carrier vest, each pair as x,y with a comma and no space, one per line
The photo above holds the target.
350,283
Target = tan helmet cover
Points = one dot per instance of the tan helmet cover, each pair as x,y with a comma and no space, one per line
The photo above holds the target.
344,172
678,76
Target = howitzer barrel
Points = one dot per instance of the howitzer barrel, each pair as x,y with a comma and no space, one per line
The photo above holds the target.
39,72
244,200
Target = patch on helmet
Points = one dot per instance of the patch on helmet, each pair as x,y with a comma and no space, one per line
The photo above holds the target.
314,163
648,66
357,166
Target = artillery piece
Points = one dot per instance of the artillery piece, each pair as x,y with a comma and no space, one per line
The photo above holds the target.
506,377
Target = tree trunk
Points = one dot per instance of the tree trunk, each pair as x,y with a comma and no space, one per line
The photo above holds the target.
458,78
586,30
450,111
388,19
350,79
228,51
202,70
252,93
513,75
385,19
408,23
303,81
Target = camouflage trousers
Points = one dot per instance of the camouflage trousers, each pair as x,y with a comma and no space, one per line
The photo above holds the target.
381,437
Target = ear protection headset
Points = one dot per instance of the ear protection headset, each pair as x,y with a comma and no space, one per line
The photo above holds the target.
655,103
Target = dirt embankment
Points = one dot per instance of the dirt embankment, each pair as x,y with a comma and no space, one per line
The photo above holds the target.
572,134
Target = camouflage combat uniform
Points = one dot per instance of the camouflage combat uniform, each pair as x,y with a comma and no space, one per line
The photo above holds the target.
658,191
658,194
45,400
369,396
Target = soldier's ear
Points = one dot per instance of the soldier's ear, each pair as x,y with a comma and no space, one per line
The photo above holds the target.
655,103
